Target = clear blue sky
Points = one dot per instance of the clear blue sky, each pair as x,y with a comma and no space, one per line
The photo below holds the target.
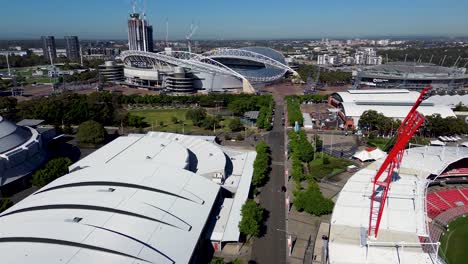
234,19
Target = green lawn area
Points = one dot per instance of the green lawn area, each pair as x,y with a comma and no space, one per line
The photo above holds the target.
40,80
319,170
154,116
454,242
378,142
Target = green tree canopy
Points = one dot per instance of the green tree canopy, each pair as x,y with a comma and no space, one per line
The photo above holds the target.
235,124
252,218
196,115
53,169
91,132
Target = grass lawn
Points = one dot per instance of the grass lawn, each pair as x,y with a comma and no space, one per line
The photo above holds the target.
378,142
39,80
319,170
155,116
454,242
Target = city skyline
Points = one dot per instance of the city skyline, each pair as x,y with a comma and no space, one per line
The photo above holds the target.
237,20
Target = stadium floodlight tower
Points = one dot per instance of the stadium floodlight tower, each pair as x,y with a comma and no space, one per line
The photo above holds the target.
391,165
193,29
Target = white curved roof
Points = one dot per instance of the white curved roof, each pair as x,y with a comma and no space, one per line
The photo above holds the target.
153,216
404,217
138,148
379,95
448,100
210,158
395,111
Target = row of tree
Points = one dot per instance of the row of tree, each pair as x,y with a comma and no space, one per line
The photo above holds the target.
326,77
434,126
107,108
261,166
294,111
264,116
301,151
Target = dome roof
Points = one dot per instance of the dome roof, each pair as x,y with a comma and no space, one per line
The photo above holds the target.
12,135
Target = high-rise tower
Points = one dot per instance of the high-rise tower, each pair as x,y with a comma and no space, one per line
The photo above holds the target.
73,47
48,47
140,33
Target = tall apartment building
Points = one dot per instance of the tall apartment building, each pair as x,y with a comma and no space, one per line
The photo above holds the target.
140,33
73,47
49,48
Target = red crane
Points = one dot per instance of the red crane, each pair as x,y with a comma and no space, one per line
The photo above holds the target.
391,165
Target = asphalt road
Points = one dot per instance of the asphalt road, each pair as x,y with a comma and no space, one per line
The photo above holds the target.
271,248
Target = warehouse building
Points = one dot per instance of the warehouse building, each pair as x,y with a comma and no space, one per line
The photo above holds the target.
394,103
154,198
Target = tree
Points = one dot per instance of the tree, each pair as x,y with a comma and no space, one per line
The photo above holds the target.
136,121
236,125
7,106
53,169
252,218
312,201
217,261
174,119
197,116
91,132
261,164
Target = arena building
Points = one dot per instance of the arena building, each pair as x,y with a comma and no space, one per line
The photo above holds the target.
394,103
154,198
21,151
406,233
412,76
220,70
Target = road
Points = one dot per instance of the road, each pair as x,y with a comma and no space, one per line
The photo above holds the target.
271,248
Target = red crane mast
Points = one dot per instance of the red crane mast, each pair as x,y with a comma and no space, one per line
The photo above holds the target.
392,164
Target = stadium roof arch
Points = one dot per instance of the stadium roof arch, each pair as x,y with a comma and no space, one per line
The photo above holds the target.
186,60
269,57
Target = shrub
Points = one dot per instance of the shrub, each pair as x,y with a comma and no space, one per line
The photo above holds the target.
91,132
312,201
235,125
325,160
239,137
196,115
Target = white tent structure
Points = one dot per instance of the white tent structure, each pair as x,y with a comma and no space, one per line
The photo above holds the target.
464,144
366,155
437,143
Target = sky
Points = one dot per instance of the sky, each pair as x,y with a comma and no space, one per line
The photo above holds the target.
236,19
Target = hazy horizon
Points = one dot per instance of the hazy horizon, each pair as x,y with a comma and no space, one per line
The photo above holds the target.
238,20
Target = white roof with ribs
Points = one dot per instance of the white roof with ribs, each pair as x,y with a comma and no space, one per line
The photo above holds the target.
110,213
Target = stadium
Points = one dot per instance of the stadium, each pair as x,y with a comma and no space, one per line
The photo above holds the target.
408,208
219,70
412,76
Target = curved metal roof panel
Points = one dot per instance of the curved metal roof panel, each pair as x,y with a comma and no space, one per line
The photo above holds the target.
156,215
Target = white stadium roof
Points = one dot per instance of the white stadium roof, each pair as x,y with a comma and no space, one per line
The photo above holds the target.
404,217
132,201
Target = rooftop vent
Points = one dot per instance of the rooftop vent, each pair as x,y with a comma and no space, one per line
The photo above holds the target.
148,157
211,154
77,219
